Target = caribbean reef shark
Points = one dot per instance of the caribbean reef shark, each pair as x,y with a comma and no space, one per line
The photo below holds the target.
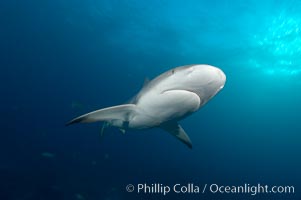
164,101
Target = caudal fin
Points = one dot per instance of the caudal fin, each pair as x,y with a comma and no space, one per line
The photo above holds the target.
120,112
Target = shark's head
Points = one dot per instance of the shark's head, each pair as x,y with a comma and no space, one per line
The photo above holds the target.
204,80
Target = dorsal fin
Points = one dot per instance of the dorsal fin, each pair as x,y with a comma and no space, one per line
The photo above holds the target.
146,81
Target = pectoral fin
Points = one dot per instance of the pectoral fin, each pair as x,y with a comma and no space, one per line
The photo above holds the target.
120,112
176,130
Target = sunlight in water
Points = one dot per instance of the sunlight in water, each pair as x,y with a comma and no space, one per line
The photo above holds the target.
278,48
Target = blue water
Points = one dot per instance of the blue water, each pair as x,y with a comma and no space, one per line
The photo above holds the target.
60,59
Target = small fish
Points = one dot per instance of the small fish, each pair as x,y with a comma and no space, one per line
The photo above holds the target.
79,196
48,155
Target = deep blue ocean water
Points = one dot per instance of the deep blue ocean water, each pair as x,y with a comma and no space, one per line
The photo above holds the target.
61,59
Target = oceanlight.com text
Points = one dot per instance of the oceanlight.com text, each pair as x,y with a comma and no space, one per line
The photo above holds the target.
251,189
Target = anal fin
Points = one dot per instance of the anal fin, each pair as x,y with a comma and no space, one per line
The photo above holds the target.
176,130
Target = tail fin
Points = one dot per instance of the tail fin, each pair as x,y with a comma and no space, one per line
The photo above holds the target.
120,112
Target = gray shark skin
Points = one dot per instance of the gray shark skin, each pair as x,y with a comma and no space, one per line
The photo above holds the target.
164,101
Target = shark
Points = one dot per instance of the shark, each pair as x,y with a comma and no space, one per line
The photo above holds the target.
164,101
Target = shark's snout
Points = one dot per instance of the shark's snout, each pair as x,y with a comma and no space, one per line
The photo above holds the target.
222,77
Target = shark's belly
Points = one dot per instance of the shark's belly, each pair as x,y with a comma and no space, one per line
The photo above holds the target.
156,108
